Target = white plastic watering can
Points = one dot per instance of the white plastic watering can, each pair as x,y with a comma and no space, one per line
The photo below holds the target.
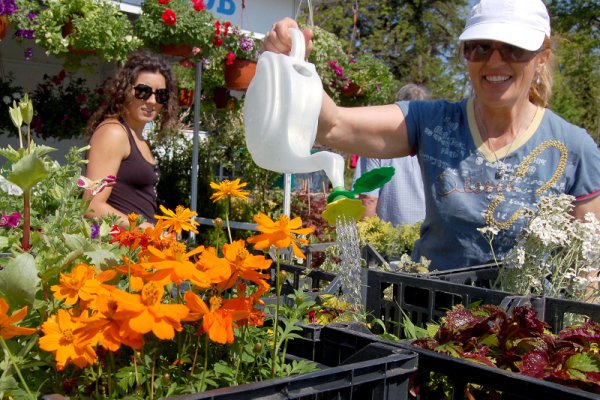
281,112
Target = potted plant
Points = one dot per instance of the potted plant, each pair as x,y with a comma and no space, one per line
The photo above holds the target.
76,29
22,16
371,82
186,82
240,52
176,27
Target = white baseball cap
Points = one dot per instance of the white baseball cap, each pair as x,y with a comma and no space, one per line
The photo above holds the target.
522,23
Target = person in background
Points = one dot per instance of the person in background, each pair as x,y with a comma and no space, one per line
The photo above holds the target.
484,159
140,92
402,200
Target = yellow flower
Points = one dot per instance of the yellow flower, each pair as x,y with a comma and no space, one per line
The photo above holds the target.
279,233
181,219
228,188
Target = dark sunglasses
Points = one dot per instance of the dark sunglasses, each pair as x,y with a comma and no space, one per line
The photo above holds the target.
481,50
143,92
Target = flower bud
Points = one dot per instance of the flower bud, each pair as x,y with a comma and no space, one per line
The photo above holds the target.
15,115
26,106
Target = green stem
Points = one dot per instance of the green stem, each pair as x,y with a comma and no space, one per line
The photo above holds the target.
239,358
227,221
14,364
205,367
26,220
276,318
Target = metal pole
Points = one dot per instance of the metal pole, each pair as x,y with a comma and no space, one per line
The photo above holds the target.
194,174
287,194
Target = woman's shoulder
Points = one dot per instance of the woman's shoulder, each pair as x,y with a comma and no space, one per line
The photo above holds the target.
111,129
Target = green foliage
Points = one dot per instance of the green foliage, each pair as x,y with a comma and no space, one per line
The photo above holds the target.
576,93
99,29
388,240
418,41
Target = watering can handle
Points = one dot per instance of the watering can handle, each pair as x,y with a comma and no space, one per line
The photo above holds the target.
298,47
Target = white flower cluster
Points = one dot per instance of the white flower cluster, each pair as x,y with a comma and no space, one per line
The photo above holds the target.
555,255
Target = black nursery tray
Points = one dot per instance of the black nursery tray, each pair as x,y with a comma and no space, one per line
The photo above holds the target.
355,365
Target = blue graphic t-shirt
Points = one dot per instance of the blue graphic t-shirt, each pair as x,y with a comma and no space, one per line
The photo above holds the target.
468,187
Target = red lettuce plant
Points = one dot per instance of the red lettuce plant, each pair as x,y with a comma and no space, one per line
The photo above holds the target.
520,342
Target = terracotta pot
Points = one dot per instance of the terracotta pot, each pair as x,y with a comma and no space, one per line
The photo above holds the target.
66,31
239,74
353,90
175,50
220,96
186,97
3,26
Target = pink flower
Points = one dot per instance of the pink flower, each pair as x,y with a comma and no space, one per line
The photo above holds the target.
169,17
11,220
98,185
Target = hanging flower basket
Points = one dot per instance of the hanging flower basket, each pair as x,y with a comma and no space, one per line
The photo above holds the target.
186,97
3,26
176,50
239,74
68,30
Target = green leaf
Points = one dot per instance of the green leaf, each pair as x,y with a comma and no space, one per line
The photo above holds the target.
74,242
19,281
28,171
373,179
583,362
3,242
101,257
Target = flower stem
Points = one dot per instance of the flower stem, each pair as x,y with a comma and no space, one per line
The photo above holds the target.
276,318
26,220
14,364
205,366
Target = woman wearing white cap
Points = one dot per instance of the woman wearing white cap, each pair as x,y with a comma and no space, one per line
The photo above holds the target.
486,158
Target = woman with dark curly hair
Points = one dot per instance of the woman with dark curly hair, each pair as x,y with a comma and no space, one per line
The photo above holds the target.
140,92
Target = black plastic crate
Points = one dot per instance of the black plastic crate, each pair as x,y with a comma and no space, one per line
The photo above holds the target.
355,366
388,295
480,276
460,372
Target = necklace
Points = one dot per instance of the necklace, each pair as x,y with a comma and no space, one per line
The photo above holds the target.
501,167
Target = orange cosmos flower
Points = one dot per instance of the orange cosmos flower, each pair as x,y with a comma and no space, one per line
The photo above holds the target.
216,322
228,188
279,233
69,340
81,284
216,268
8,330
181,219
108,329
244,265
176,265
144,312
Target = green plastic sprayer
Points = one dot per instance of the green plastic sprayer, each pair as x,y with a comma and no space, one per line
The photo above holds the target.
281,112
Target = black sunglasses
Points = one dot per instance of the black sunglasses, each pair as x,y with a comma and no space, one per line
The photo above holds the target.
481,50
143,92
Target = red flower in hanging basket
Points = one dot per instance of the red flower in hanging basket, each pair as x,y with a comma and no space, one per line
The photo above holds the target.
229,58
199,5
169,17
164,2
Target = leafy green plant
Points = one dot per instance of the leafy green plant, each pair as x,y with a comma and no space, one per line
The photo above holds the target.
388,240
75,30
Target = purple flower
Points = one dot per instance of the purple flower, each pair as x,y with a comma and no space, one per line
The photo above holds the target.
28,53
11,220
25,33
8,7
95,230
246,44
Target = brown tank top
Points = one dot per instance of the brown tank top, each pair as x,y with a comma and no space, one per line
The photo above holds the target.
135,190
